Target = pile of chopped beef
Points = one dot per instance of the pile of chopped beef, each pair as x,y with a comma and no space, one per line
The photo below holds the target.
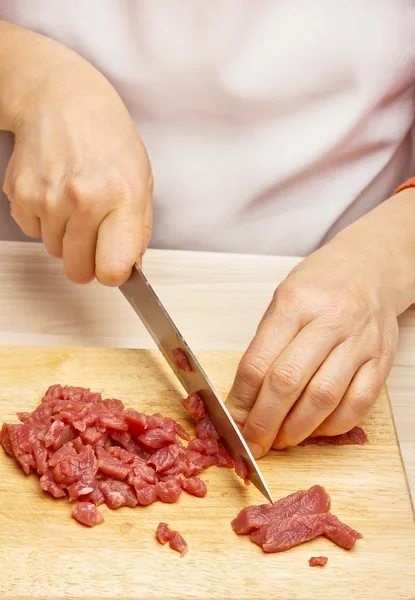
94,450
176,542
293,520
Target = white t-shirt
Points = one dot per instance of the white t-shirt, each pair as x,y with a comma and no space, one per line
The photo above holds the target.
270,124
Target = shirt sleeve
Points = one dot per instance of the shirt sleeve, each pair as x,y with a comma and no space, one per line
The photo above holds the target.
409,183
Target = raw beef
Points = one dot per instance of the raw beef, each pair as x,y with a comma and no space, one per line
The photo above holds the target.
281,535
176,542
312,501
194,486
318,561
88,448
293,520
87,514
194,406
241,470
181,361
354,436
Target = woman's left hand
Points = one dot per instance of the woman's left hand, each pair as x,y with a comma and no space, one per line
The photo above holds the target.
325,346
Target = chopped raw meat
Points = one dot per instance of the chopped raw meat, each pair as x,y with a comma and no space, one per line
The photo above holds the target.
58,434
293,520
111,466
84,446
5,439
145,492
208,446
48,484
318,561
223,458
241,470
180,360
354,436
206,430
137,421
176,542
157,438
168,491
117,494
313,501
87,514
194,406
194,486
281,535
165,458
122,437
181,432
96,496
163,533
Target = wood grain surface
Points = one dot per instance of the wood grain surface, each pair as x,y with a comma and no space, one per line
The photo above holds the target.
45,555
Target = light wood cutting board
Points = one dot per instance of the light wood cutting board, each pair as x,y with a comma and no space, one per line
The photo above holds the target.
44,554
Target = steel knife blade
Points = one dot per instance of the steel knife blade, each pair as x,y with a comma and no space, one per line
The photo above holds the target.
165,334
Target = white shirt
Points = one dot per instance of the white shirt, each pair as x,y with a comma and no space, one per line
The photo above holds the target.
270,124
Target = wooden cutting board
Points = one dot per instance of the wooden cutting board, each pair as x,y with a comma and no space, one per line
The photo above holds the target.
44,554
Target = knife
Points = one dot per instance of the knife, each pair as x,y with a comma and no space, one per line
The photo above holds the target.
165,334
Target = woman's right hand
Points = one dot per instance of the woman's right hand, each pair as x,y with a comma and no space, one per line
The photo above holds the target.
79,176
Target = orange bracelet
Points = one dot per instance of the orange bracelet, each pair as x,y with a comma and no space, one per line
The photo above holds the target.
409,183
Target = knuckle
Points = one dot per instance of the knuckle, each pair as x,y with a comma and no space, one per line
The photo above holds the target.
323,395
286,378
83,195
252,370
259,427
363,401
22,188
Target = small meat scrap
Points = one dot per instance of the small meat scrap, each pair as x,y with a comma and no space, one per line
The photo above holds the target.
298,518
318,561
241,470
176,542
194,486
352,437
87,514
194,406
180,360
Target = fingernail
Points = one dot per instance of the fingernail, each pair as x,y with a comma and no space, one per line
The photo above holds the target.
279,446
257,451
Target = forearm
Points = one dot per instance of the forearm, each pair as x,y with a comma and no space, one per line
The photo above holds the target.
389,232
27,59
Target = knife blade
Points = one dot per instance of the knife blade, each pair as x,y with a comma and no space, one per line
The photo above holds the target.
165,334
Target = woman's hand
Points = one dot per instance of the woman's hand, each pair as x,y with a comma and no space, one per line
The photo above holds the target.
79,176
325,346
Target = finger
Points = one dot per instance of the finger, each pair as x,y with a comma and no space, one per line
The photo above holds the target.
277,329
147,223
28,223
322,395
78,247
358,400
119,244
284,383
54,219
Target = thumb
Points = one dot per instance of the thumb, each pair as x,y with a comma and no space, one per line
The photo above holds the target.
119,244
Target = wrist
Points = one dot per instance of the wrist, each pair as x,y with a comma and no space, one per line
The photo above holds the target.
27,62
385,241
